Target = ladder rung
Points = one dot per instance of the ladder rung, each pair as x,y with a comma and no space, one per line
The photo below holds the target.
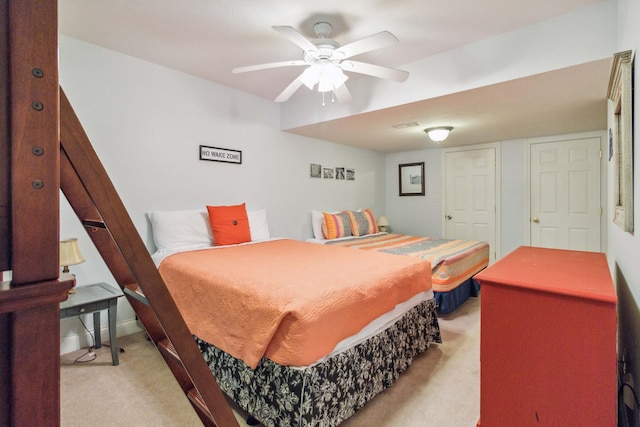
135,291
198,403
167,348
93,223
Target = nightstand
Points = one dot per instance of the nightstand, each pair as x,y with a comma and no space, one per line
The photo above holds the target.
94,299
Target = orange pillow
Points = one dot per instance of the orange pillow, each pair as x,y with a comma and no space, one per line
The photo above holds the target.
229,224
336,225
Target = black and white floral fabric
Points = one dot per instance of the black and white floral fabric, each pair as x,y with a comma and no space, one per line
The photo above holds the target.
329,392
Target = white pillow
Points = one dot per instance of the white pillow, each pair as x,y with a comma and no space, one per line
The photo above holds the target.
180,229
317,219
258,225
174,230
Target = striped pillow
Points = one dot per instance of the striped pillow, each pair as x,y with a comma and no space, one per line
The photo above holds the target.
336,225
363,223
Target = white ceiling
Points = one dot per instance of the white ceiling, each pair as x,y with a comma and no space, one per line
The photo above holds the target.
208,38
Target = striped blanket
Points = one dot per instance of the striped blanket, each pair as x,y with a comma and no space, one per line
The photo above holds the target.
452,261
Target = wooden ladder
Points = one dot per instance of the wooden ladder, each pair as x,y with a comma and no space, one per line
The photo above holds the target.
87,187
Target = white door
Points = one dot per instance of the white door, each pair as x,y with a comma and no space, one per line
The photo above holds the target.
565,194
470,196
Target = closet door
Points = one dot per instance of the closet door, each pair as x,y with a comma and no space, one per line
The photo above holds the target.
470,196
565,194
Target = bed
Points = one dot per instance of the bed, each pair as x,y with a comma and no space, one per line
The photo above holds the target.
299,334
454,262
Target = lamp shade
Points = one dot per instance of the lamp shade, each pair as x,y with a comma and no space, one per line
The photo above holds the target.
70,252
383,221
438,134
327,76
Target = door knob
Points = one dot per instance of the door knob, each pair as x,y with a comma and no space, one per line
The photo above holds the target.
449,217
536,220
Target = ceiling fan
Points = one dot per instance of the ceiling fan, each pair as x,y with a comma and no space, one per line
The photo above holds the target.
326,61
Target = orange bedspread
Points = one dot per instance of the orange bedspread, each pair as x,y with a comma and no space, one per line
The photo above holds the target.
288,300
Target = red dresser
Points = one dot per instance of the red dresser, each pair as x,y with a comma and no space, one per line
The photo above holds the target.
548,340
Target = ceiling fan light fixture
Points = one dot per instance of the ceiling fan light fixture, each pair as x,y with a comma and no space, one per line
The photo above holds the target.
328,77
331,78
324,61
311,76
438,133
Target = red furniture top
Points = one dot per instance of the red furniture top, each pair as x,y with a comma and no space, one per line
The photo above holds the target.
559,271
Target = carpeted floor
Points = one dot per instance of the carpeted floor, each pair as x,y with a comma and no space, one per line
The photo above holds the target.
442,387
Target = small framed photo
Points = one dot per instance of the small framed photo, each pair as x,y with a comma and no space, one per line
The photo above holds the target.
411,178
351,174
316,171
340,173
328,173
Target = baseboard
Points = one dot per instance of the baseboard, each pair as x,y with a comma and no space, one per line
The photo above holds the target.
75,342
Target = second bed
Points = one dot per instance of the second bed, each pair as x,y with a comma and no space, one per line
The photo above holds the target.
454,262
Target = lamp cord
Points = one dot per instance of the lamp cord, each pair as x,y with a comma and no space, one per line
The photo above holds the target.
90,350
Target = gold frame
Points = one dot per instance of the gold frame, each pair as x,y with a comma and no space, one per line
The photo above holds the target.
620,94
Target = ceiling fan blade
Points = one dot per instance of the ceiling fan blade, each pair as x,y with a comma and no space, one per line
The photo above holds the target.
295,36
375,70
268,65
342,94
373,42
290,90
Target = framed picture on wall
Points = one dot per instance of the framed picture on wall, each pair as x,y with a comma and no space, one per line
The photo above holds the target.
351,174
621,96
411,179
315,171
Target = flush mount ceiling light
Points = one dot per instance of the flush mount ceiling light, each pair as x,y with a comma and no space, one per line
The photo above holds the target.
439,133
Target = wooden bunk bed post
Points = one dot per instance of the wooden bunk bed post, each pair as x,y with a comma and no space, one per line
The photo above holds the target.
29,223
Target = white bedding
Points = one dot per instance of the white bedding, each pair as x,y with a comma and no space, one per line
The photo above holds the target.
158,256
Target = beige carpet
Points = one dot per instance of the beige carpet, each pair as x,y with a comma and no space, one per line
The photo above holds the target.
442,387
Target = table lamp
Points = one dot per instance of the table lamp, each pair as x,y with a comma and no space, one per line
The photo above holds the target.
70,255
383,223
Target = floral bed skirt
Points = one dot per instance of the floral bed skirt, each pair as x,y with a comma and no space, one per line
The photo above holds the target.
327,393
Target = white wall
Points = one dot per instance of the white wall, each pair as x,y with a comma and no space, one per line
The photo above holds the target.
624,248
417,215
146,123
513,185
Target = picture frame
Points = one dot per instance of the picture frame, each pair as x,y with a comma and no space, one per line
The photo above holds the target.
217,154
328,173
620,93
351,174
315,171
411,179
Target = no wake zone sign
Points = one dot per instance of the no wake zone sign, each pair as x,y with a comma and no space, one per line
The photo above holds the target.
216,154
